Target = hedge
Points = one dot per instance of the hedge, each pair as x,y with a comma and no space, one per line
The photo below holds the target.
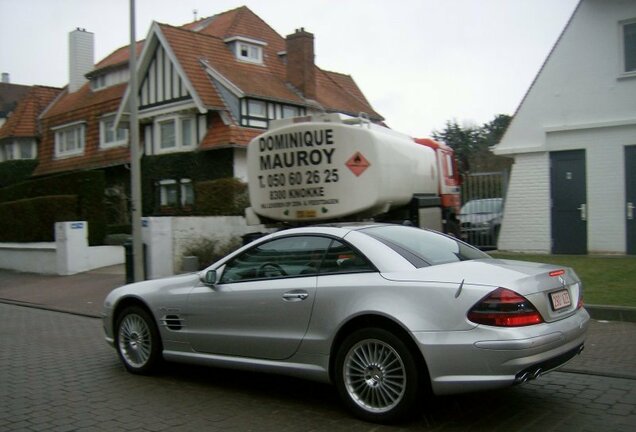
222,197
33,219
88,186
16,171
196,166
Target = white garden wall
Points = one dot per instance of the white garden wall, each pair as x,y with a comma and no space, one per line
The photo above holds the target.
69,254
167,238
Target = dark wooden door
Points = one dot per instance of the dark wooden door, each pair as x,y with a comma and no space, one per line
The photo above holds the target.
630,198
569,202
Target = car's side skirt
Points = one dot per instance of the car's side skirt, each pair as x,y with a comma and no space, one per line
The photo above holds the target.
313,370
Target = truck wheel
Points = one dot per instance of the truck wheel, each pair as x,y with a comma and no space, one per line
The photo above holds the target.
376,376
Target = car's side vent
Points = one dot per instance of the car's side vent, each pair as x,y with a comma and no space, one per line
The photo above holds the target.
173,322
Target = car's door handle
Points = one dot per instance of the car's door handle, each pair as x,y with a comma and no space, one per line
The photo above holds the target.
295,295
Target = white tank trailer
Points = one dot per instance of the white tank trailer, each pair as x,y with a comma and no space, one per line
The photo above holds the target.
323,168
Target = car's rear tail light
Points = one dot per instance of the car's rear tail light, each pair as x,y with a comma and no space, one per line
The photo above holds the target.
504,308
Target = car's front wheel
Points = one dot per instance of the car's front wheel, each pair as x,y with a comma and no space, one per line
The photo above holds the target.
137,340
376,375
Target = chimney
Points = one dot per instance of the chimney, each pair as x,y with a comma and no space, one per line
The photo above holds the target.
81,58
301,72
5,78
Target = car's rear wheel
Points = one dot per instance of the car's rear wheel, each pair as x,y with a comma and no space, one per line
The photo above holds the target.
377,376
137,340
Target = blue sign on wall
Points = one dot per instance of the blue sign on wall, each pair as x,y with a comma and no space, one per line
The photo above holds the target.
77,225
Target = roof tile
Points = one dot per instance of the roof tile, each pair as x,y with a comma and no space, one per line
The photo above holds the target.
23,123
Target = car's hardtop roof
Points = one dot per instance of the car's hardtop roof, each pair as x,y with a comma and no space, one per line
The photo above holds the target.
336,228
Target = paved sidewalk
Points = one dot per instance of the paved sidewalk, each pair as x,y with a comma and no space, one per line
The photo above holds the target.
610,349
81,294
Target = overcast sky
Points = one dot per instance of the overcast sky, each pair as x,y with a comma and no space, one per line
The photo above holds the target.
419,62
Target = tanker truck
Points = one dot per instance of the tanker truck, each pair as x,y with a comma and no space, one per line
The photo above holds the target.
328,167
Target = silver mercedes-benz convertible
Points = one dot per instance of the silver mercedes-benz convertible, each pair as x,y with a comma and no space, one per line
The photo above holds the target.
388,313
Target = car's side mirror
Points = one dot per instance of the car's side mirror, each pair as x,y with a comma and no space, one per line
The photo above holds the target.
209,278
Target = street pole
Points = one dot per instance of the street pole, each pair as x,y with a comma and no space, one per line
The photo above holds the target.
135,154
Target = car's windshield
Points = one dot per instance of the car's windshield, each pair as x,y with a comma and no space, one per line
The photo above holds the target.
482,206
430,247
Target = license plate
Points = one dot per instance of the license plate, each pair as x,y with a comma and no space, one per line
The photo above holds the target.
560,299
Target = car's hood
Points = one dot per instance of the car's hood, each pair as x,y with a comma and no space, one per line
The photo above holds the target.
524,277
150,287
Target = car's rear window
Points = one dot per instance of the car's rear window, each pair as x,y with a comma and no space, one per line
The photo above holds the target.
422,247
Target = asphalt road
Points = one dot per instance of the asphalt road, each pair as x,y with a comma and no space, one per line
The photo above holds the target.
58,374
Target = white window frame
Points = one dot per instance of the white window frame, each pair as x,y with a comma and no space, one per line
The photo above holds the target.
253,49
163,193
179,145
103,132
268,111
7,152
180,188
61,134
253,53
288,111
186,184
13,150
19,149
623,71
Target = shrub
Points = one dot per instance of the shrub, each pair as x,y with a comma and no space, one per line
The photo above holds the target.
198,166
33,219
222,197
16,171
88,186
210,250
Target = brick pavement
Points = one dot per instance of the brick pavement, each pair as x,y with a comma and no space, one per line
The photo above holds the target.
82,293
610,347
58,374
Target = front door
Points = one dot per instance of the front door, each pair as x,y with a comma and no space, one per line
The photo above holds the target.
630,198
262,303
258,319
569,202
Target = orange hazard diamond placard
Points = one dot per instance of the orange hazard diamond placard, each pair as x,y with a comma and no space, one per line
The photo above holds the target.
357,164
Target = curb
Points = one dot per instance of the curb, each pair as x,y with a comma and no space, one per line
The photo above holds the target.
612,313
47,308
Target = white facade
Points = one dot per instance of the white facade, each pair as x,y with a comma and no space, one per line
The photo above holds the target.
582,99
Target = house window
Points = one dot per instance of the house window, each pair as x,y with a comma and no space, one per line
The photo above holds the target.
629,47
111,137
167,138
257,109
26,150
6,152
175,134
176,193
257,113
290,111
69,140
250,53
109,79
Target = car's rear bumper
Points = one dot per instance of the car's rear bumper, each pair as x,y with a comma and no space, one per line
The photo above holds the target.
491,357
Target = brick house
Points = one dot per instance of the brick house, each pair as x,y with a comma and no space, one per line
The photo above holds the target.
205,89
19,129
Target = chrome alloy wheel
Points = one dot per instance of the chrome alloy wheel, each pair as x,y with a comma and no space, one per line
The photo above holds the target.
375,376
135,340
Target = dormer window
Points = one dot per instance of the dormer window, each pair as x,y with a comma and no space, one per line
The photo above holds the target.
246,49
250,53
106,78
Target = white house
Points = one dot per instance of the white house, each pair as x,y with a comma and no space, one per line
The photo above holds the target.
573,139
